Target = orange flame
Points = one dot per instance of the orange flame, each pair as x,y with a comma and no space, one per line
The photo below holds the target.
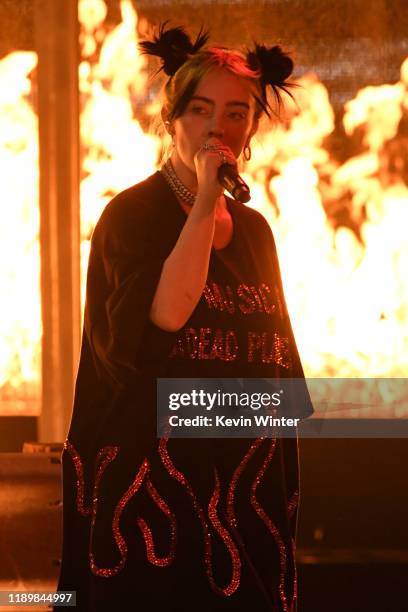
20,332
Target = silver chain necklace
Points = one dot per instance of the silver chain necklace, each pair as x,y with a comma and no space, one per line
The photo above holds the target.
176,185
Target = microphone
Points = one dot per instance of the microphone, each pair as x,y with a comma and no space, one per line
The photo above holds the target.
229,178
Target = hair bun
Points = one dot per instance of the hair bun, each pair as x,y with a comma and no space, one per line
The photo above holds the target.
274,64
173,47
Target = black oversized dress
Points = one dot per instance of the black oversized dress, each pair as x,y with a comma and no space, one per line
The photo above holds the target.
178,524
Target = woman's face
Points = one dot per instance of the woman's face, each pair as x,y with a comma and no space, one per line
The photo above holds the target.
222,107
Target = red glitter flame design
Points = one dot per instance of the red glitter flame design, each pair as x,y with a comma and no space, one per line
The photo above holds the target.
109,453
212,509
105,456
80,496
271,525
147,533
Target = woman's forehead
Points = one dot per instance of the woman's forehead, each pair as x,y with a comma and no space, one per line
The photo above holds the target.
219,84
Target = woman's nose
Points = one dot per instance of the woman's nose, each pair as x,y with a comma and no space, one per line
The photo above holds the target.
216,133
216,128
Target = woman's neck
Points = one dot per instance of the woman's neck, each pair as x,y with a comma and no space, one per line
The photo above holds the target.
186,176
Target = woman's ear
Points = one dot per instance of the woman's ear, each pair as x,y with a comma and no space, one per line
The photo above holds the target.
167,123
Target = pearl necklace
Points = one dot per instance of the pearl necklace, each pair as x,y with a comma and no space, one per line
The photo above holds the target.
176,185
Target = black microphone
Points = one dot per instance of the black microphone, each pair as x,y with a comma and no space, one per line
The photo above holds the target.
229,178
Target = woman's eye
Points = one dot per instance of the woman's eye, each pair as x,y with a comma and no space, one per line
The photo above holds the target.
199,110
237,115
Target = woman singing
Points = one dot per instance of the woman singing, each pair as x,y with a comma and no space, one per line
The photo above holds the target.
183,282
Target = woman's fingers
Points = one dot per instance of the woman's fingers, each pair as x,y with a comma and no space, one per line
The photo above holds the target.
216,147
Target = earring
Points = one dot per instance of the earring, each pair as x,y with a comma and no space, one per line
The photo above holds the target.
247,152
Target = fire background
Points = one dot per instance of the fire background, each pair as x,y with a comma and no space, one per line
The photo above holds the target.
76,105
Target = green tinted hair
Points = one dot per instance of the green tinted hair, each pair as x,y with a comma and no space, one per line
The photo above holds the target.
180,88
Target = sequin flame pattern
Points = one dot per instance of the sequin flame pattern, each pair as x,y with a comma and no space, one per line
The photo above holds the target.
271,525
80,496
147,533
261,513
223,533
105,456
109,453
292,505
234,481
235,558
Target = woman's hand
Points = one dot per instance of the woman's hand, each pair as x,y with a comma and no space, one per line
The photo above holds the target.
207,160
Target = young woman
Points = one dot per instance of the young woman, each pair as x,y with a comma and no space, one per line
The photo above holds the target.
183,282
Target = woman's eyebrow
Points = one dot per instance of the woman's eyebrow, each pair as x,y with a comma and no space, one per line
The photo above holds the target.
230,103
202,99
238,103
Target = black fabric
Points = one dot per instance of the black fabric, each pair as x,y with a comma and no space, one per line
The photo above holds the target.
240,328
